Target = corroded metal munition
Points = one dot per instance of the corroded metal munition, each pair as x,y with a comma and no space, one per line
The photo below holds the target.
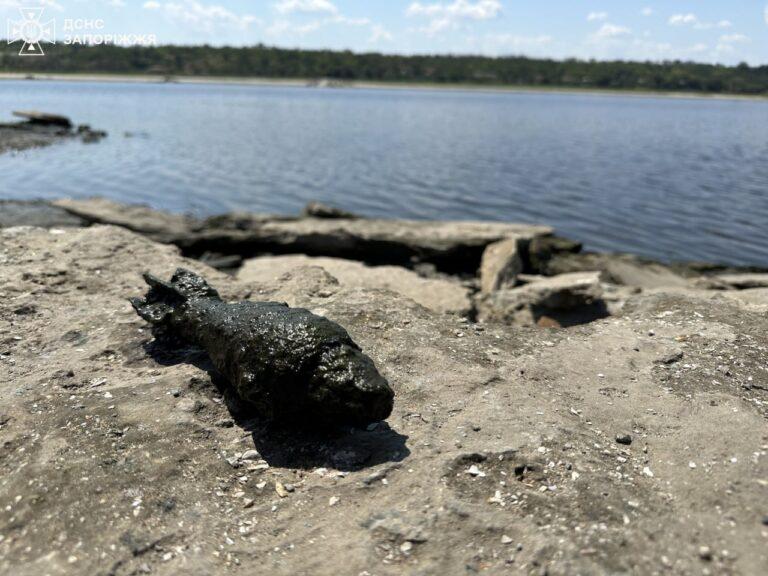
285,362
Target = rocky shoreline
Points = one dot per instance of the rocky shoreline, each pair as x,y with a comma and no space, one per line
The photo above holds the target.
39,130
634,441
515,274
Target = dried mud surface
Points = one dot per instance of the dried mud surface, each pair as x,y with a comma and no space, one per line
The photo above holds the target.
120,457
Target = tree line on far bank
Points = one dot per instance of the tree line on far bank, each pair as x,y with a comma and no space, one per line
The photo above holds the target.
267,62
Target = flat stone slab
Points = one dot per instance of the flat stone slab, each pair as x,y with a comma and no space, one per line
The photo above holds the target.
443,296
320,210
44,118
501,264
550,295
452,246
36,213
157,224
424,234
623,269
743,281
757,297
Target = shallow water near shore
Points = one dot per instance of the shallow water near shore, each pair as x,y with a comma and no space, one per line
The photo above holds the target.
672,179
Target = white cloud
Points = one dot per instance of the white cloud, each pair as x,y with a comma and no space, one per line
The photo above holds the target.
503,44
306,6
479,10
612,31
726,46
693,20
30,3
444,15
735,39
724,49
340,19
380,34
597,16
766,14
642,49
647,11
284,28
683,19
437,25
327,14
203,17
508,41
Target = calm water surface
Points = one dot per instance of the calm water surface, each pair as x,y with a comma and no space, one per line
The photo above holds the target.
666,178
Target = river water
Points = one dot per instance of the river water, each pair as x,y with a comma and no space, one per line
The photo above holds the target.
674,179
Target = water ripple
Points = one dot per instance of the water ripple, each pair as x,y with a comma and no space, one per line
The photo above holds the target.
665,178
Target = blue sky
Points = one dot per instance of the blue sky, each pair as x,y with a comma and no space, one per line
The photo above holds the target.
727,31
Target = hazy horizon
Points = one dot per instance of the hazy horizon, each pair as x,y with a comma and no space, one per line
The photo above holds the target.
704,31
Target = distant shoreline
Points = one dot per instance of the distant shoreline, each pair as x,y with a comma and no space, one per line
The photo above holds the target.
302,83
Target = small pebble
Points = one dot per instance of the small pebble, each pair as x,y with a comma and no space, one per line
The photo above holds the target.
506,539
705,553
280,489
333,500
671,358
625,439
647,472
